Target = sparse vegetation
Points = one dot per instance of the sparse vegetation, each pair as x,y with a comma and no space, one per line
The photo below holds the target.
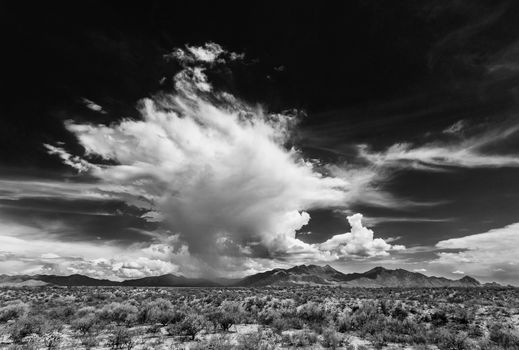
268,318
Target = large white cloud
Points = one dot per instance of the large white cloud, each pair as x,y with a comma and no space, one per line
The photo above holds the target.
490,255
218,172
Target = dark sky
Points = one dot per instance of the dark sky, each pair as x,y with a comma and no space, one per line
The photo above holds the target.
423,94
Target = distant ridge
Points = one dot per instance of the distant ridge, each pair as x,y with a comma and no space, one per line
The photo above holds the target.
301,275
377,277
169,280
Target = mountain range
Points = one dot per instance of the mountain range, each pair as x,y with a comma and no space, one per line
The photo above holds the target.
301,275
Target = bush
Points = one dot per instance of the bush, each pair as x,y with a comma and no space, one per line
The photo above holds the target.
121,338
344,323
503,336
399,313
227,314
89,341
439,319
330,338
63,312
161,311
26,326
84,324
300,339
261,340
190,326
311,312
52,340
447,340
13,311
120,313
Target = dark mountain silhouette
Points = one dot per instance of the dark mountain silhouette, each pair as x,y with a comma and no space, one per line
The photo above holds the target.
169,280
73,280
301,275
377,277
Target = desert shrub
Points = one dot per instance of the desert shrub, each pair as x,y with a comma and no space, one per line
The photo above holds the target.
448,340
52,340
62,312
462,317
439,318
119,313
294,322
161,311
366,318
300,339
311,312
330,338
278,325
344,323
267,316
215,343
476,330
190,326
261,340
227,314
89,341
26,326
13,311
503,336
121,338
85,311
84,324
221,319
399,313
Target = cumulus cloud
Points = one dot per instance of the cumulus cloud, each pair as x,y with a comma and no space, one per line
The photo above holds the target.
219,174
358,242
490,255
468,152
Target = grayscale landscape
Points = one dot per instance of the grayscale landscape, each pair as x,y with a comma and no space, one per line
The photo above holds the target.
259,175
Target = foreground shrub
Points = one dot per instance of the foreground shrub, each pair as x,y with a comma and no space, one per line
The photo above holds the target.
504,336
311,312
330,338
84,324
89,341
226,315
52,340
26,326
119,313
13,311
261,340
190,326
161,311
448,340
300,339
121,338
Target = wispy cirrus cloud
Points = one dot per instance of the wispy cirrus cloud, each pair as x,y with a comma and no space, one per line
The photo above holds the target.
469,152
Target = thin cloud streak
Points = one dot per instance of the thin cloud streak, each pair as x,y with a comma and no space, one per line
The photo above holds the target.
440,156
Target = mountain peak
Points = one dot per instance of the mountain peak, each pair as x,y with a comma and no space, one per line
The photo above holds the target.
377,269
469,279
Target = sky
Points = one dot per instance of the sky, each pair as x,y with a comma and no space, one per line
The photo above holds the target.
159,137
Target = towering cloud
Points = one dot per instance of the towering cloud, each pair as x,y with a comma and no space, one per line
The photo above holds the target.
219,173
